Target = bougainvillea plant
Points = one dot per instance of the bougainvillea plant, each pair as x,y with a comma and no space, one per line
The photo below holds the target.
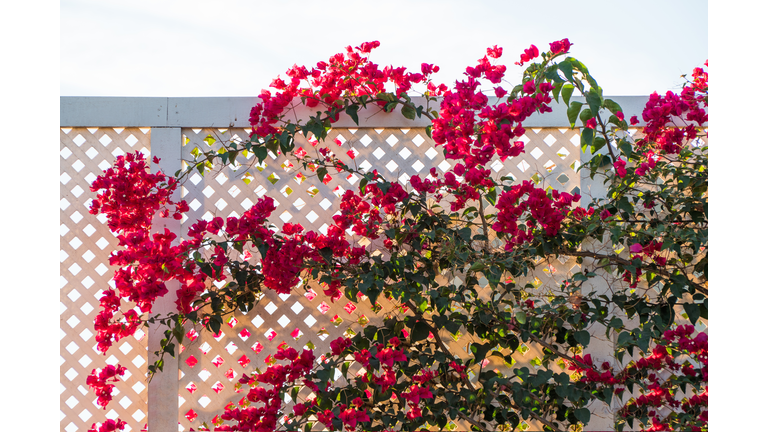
647,235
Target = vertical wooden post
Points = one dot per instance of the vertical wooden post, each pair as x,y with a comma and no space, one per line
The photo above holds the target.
600,347
163,392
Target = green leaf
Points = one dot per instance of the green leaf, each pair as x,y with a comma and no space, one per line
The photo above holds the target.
477,265
582,337
616,323
215,323
567,69
587,135
389,97
626,148
624,338
520,317
573,112
566,93
466,234
261,153
586,115
612,106
582,415
317,128
352,113
321,173
480,351
594,100
420,331
273,145
178,332
693,311
408,112
327,254
556,91
491,196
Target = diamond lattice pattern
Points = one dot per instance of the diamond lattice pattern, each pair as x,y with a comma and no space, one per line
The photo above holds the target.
85,246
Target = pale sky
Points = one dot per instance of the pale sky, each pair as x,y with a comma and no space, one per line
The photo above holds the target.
236,48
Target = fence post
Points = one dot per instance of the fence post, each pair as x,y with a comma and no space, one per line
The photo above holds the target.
163,392
600,347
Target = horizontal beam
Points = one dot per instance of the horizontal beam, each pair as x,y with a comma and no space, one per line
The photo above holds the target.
225,112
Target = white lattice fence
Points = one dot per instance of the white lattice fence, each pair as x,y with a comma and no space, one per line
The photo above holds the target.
210,365
86,243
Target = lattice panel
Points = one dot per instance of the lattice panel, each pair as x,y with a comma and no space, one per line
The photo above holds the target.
211,365
86,243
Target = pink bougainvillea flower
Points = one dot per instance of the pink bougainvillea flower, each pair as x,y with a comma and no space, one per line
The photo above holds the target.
109,425
494,52
414,413
528,54
191,415
561,46
338,345
351,417
619,166
217,361
529,87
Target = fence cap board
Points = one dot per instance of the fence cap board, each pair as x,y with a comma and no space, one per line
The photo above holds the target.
225,112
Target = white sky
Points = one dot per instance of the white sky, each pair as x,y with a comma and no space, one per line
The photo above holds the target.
236,48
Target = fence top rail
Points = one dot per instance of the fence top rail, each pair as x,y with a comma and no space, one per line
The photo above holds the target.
225,112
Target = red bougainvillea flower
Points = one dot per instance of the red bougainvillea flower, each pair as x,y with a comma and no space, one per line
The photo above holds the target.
338,345
494,52
561,46
101,383
109,425
619,166
528,55
351,417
